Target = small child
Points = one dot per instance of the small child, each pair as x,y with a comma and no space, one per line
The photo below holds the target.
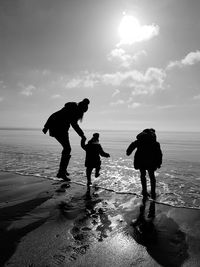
93,152
148,156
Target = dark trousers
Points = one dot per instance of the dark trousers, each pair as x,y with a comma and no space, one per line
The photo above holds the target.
65,155
89,172
144,182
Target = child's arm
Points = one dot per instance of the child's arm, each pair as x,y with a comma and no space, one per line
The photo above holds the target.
131,147
83,145
103,153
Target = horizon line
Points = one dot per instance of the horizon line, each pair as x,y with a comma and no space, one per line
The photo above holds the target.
96,129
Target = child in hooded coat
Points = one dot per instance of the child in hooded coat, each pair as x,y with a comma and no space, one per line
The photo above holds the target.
93,152
148,157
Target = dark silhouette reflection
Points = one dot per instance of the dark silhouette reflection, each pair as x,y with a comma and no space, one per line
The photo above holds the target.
144,229
89,215
90,202
99,216
58,125
148,157
10,237
79,205
64,186
163,239
88,193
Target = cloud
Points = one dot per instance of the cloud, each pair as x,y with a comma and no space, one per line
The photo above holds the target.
192,58
139,54
130,103
196,97
86,80
55,96
46,72
117,103
166,107
134,105
27,90
125,60
2,85
147,83
1,98
189,60
141,83
73,83
116,92
52,81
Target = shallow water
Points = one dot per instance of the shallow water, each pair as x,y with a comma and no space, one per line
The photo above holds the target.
30,152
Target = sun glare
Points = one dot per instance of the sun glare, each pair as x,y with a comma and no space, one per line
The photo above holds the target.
131,31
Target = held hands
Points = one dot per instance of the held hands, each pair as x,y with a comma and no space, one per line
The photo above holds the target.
83,138
44,130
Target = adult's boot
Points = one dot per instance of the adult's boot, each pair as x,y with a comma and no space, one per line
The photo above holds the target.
64,161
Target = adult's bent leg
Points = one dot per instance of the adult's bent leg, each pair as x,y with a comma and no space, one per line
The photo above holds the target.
65,156
97,170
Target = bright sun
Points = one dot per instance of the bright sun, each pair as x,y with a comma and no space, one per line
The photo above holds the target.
131,31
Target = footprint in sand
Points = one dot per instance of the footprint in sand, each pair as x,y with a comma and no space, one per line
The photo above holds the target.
63,187
66,249
58,259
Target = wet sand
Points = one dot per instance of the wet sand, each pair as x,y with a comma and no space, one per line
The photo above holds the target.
46,223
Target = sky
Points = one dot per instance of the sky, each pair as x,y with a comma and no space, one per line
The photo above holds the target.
138,61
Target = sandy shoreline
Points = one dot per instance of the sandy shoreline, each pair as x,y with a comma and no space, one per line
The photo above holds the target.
46,223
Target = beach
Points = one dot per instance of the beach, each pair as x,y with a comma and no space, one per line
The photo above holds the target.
47,222
107,93
54,223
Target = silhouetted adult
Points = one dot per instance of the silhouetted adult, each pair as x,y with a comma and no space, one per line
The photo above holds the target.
148,157
58,125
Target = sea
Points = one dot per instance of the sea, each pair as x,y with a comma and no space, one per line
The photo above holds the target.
30,152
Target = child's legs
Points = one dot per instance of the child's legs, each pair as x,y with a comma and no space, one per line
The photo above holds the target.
153,182
143,181
97,170
88,173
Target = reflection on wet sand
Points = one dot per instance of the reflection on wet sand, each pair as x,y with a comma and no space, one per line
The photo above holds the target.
161,235
92,227
89,213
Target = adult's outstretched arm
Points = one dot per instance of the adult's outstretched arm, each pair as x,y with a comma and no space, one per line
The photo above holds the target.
77,129
83,145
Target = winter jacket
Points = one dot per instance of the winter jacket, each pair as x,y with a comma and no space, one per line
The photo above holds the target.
59,122
93,153
148,155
